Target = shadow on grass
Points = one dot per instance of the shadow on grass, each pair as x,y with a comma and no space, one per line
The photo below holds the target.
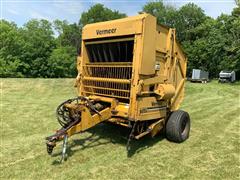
106,133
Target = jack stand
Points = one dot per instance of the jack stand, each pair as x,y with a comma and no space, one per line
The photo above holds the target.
64,148
131,136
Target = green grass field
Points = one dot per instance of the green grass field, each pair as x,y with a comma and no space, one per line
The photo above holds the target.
28,116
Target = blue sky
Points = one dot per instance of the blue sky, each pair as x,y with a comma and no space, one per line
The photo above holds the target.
20,11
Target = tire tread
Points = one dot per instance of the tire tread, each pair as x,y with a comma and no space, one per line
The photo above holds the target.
173,126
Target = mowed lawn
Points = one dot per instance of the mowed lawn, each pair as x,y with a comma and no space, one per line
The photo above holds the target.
28,116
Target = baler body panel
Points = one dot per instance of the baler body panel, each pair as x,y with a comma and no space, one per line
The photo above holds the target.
118,57
114,28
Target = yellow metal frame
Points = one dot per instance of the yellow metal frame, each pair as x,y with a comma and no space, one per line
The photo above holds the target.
140,93
158,71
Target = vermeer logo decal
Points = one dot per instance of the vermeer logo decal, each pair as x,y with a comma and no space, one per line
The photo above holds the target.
106,31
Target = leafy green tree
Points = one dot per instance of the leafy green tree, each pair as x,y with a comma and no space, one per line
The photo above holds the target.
237,2
230,30
165,14
68,44
35,51
184,19
69,34
99,13
9,68
188,17
62,62
207,51
216,46
10,50
38,44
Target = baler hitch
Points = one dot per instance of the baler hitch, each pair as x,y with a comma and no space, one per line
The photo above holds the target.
74,116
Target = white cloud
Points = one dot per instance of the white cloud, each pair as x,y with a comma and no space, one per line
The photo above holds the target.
12,11
72,7
37,15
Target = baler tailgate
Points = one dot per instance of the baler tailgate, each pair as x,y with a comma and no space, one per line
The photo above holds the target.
107,79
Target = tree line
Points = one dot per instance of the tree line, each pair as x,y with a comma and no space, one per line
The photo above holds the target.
43,49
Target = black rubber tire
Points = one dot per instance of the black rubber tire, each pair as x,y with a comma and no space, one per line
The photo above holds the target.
178,126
